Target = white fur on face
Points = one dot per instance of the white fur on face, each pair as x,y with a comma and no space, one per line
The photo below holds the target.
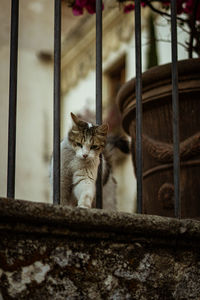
85,152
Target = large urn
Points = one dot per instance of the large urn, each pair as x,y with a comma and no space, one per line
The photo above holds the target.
158,188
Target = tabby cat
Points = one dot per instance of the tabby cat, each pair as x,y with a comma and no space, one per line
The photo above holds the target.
80,158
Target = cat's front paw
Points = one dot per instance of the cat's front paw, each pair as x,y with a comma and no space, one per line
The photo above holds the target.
86,202
83,206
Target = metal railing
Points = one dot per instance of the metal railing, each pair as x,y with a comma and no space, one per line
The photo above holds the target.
99,92
56,130
138,67
175,109
57,63
12,99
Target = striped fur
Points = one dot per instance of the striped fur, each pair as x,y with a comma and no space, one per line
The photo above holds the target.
80,157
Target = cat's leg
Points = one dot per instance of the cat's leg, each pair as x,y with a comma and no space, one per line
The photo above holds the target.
84,191
64,193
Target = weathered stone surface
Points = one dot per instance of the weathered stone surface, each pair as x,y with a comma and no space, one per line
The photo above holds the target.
49,252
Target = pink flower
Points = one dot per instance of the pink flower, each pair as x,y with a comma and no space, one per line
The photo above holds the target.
180,6
198,13
166,3
143,3
77,10
183,6
82,2
129,8
190,7
89,5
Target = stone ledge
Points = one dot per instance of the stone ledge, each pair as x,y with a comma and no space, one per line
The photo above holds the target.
53,252
41,218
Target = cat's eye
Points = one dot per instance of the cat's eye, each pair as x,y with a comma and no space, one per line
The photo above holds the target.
94,147
79,145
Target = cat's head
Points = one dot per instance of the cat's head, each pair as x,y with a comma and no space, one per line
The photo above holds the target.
87,140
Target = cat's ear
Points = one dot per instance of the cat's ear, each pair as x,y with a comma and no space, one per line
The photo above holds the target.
103,129
77,121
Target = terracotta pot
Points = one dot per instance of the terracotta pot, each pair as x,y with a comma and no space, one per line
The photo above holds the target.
158,189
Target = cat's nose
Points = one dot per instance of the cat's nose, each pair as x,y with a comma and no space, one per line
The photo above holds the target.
85,155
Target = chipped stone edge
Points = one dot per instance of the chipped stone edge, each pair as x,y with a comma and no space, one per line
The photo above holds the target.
41,218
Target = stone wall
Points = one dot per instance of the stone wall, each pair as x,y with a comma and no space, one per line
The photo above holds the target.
53,252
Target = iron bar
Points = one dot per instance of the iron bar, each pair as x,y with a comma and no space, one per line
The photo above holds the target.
12,99
138,60
99,92
175,109
56,130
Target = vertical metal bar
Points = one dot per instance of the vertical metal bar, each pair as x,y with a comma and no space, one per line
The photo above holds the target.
99,92
12,99
56,130
175,108
138,59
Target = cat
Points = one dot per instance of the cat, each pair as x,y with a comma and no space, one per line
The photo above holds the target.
80,158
